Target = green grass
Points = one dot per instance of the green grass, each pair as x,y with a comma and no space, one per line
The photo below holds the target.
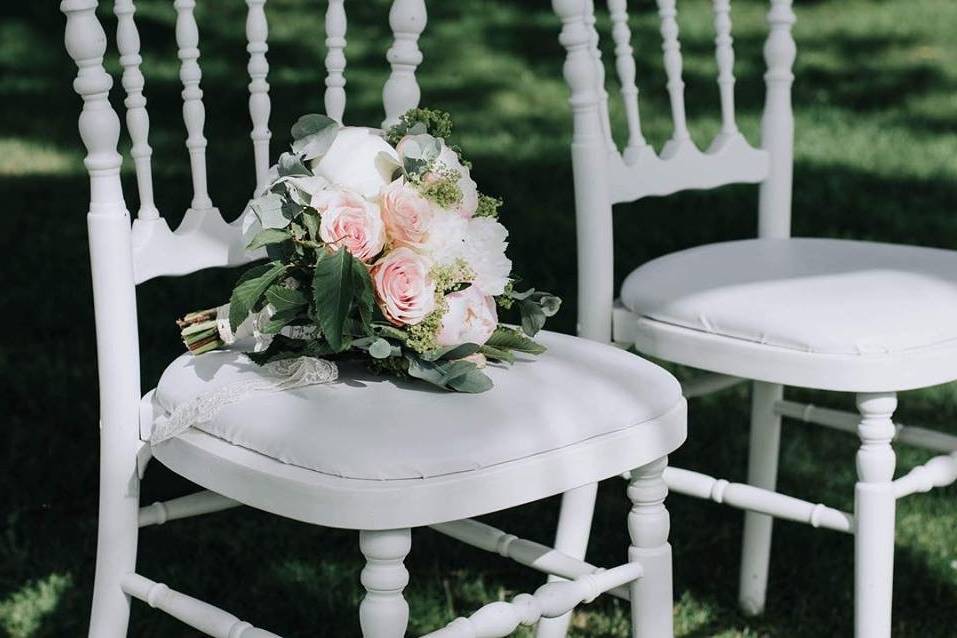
876,157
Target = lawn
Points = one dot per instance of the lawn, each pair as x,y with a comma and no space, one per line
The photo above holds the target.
876,157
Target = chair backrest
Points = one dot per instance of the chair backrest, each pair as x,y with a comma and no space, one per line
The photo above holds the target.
605,175
124,254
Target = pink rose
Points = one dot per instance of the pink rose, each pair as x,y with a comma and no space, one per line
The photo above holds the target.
349,220
407,215
404,289
470,318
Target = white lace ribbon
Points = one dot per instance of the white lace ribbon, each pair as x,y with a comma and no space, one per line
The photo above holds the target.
276,376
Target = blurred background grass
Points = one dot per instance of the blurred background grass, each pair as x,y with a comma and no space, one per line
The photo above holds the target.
876,158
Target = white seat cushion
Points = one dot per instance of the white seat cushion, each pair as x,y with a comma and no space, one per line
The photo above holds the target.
821,296
369,427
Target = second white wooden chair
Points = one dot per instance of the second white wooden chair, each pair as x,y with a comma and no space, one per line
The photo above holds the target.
849,316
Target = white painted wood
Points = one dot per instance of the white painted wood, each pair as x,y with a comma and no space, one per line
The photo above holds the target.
592,202
730,161
137,119
754,499
384,612
203,502
335,97
322,499
874,508
940,471
724,55
202,240
777,124
574,528
671,47
500,619
708,383
648,527
625,66
599,73
208,619
847,422
524,552
407,19
116,333
763,453
908,370
194,113
257,33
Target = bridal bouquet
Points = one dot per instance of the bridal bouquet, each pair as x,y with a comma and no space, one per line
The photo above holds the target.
380,248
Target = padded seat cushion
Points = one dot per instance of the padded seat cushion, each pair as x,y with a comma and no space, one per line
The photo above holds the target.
368,427
822,296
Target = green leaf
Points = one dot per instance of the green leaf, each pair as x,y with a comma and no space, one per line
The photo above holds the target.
505,338
451,353
250,289
380,349
269,211
313,135
472,382
268,236
364,297
283,298
279,320
497,354
332,288
533,317
290,165
310,219
550,304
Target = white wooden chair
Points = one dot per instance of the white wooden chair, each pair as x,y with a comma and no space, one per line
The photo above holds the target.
848,316
362,454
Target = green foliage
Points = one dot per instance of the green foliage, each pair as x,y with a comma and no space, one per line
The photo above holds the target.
434,122
506,338
312,135
332,289
268,236
461,376
445,191
250,289
488,206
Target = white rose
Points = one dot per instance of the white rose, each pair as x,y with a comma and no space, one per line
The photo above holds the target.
358,160
484,250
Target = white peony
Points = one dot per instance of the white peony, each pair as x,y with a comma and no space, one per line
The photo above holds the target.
358,160
484,250
446,238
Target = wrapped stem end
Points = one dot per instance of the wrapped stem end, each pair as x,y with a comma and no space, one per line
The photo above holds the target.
200,331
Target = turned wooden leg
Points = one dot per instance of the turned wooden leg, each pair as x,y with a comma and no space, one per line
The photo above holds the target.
875,507
384,612
763,455
648,525
574,527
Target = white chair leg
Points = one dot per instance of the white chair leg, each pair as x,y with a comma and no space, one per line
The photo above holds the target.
116,544
648,525
875,508
763,455
574,527
384,613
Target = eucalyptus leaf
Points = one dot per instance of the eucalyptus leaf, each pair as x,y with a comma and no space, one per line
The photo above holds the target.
249,290
550,305
472,382
533,317
497,354
505,338
313,135
332,288
290,165
380,349
269,211
268,236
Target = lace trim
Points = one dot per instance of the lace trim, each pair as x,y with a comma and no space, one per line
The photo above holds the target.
277,376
